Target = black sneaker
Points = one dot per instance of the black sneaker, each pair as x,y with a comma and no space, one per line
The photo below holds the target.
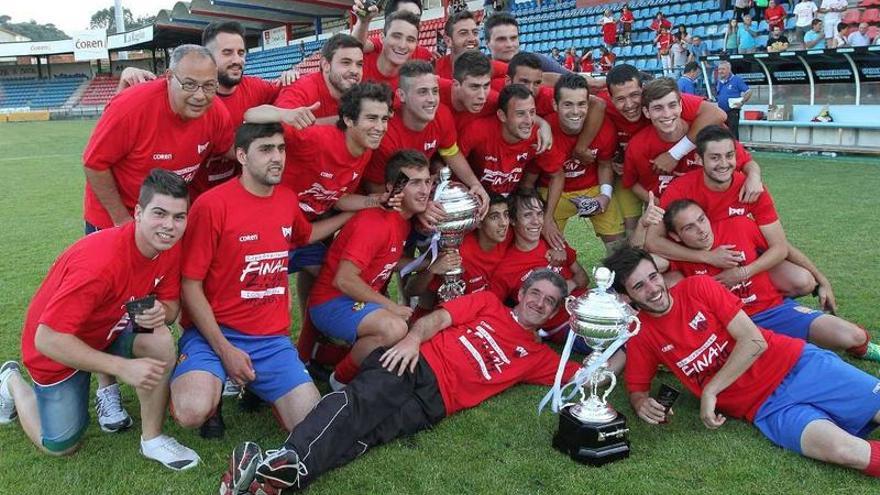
279,470
242,467
214,427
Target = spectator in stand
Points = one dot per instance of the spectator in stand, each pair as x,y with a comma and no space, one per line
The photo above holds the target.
777,41
697,49
775,16
760,6
682,31
741,8
660,21
804,13
679,51
732,93
731,37
663,41
747,34
687,83
626,21
839,40
606,59
609,28
555,55
587,61
833,12
860,37
572,62
815,38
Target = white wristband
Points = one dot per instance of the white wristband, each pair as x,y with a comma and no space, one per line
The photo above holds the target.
681,148
606,189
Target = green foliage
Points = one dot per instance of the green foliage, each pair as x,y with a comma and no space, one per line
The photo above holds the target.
32,30
106,19
829,211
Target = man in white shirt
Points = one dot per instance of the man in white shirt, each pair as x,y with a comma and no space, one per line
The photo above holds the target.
805,12
833,10
860,37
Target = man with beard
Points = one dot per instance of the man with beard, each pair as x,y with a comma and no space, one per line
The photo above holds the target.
800,397
462,34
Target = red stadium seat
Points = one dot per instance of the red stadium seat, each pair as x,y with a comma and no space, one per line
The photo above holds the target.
871,16
852,16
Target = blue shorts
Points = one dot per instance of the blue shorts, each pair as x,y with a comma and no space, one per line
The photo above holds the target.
90,229
64,406
276,362
819,386
339,317
789,318
309,255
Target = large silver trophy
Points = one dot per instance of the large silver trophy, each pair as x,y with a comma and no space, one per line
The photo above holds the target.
590,430
461,217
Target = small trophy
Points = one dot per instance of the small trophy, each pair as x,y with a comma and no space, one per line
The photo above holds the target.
461,217
590,430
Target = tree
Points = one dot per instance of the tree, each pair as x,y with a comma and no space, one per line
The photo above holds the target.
4,19
106,19
32,30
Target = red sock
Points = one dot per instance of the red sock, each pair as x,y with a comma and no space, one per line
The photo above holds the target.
873,468
860,350
346,369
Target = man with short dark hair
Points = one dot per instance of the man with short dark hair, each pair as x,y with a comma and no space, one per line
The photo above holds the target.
469,95
687,83
78,324
383,59
731,93
814,39
455,358
800,397
777,42
462,34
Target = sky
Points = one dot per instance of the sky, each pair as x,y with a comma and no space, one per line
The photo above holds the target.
70,15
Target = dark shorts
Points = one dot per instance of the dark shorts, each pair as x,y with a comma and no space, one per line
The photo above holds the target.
308,255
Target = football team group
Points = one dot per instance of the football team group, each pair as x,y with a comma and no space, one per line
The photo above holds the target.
207,189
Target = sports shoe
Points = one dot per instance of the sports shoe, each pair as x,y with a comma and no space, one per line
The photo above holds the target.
242,467
7,404
231,389
112,417
280,469
214,427
872,353
168,452
335,384
586,206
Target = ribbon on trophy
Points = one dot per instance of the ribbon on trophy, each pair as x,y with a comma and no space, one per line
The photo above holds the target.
432,246
555,396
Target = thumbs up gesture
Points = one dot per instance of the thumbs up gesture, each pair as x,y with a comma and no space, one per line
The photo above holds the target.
301,117
653,214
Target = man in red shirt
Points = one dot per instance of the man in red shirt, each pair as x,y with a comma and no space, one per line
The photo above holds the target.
359,15
800,397
660,21
236,318
687,224
469,350
171,123
422,123
469,95
580,183
342,66
462,34
775,16
626,20
346,302
661,104
715,188
77,324
383,59
663,43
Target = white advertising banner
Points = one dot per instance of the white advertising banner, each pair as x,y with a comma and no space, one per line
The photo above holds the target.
35,48
130,38
275,38
90,45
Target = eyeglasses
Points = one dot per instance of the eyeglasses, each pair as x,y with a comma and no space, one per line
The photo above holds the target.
208,88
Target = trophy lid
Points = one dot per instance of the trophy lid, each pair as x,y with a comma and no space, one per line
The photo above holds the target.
602,303
460,205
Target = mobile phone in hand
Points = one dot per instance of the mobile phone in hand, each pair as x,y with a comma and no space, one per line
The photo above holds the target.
397,188
667,397
137,307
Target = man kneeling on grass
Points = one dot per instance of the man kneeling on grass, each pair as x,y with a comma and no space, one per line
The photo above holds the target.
802,398
77,324
454,358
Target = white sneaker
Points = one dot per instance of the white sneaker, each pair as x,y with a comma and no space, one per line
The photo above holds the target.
335,385
112,417
7,404
170,453
231,389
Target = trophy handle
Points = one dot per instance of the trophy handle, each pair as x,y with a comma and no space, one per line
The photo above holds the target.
636,329
569,302
613,380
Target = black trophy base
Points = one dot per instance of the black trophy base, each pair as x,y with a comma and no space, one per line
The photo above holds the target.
592,443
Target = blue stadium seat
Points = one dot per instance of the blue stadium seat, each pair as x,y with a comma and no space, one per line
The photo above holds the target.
691,20
716,16
703,18
699,31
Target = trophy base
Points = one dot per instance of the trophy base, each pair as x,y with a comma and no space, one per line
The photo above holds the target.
592,443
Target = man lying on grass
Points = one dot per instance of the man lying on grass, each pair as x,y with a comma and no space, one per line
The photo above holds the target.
456,357
802,398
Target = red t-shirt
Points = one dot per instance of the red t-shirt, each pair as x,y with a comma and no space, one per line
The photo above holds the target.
757,293
498,164
443,68
719,205
250,92
485,351
569,62
306,91
606,62
372,240
627,17
371,66
647,145
775,16
693,342
139,132
241,257
464,118
656,25
85,292
609,33
577,175
544,101
477,264
437,135
319,168
587,63
663,42
420,53
690,107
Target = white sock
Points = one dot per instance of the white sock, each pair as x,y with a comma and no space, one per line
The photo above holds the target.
153,441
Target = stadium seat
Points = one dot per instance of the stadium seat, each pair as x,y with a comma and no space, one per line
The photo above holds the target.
851,16
871,16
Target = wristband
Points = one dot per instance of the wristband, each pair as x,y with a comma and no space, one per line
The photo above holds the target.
606,189
681,148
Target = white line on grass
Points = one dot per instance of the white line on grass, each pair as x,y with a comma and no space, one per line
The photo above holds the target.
36,157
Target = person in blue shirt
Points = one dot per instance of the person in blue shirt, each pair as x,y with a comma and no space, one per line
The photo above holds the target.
814,39
731,93
746,34
687,83
697,49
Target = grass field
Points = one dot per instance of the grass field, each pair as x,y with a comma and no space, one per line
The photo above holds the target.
829,209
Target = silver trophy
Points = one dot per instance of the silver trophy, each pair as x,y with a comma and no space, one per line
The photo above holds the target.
461,217
590,430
